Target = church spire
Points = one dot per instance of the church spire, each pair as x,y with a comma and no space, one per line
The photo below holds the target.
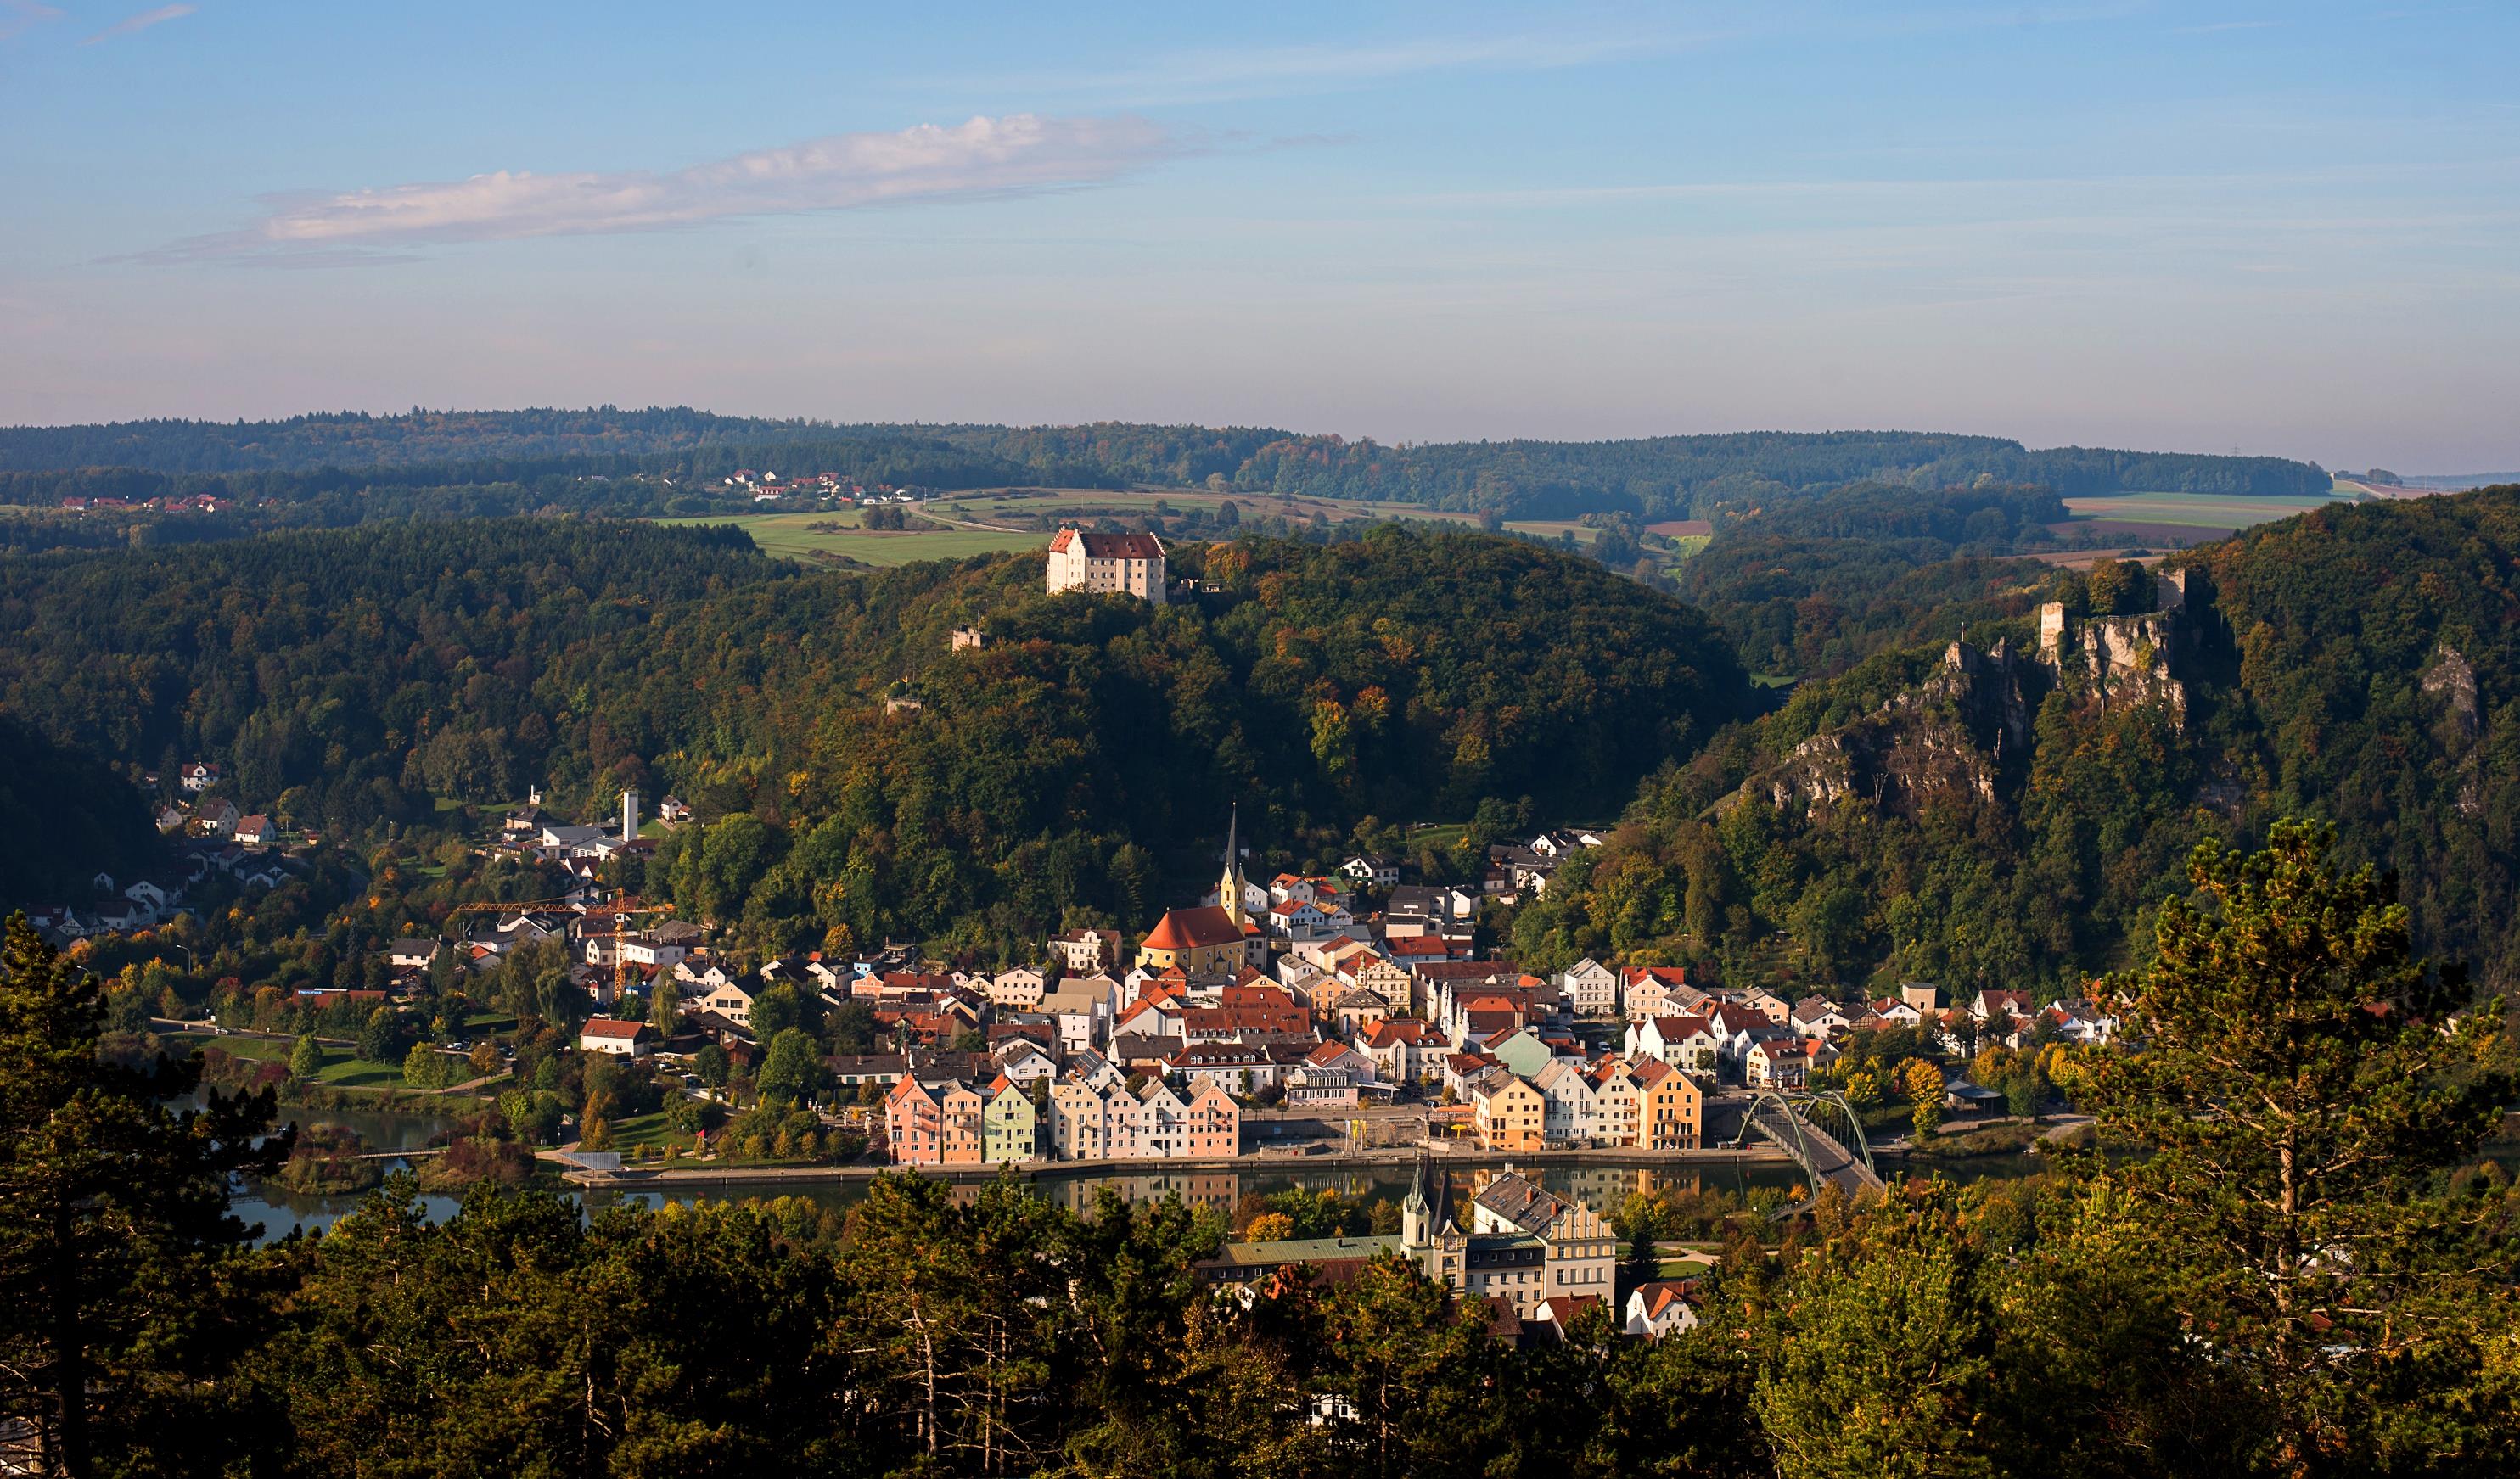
1229,890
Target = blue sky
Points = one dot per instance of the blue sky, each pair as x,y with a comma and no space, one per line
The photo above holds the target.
2282,228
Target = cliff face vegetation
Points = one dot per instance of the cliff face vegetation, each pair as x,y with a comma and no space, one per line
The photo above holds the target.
2011,813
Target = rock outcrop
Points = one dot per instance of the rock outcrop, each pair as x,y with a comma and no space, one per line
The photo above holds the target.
1954,733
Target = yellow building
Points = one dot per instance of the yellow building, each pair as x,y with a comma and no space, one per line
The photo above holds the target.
1509,1113
1671,1109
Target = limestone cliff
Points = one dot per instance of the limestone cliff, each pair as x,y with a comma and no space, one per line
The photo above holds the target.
1954,733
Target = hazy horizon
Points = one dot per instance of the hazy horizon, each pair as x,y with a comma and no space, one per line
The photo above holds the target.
2281,231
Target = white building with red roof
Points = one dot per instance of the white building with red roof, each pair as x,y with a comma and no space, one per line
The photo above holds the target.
1122,565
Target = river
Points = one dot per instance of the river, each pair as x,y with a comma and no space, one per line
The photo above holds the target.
1600,1187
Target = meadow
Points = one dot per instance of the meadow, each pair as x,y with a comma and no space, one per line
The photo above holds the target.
2207,512
983,523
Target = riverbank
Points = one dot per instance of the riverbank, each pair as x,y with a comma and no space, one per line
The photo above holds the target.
667,1179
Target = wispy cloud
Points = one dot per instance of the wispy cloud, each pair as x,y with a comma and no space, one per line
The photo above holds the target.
1016,154
129,24
17,16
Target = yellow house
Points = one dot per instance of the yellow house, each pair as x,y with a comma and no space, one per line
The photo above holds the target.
1510,1113
1671,1109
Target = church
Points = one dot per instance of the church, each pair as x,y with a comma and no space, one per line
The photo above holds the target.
1212,939
1522,1245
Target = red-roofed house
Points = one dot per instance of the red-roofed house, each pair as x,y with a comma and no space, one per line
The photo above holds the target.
1657,1308
1123,564
611,1035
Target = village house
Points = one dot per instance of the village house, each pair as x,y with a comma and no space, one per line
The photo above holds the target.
1671,1107
1372,870
940,1122
1592,988
1659,1308
1691,1043
617,1038
1083,951
1616,1099
1653,991
1009,1124
1507,1113
1819,1016
1018,989
1776,1065
1570,1105
1404,1050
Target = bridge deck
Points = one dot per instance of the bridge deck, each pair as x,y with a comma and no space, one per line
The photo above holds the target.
1819,1153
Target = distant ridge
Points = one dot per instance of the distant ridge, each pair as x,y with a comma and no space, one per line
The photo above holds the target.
1653,477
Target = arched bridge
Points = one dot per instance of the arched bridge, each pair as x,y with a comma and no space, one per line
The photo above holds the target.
1786,1120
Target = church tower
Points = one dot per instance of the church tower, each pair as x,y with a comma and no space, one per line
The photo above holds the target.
1229,890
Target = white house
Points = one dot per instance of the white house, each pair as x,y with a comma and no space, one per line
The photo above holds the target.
1592,988
611,1035
1657,1308
1123,564
1568,1111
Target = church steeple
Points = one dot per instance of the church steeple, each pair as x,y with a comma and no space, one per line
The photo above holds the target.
1229,890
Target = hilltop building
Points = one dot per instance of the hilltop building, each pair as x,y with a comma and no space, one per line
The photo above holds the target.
1127,565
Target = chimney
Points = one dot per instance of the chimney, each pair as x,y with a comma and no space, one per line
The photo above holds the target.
629,817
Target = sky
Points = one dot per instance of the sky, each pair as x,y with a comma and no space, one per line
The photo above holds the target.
2285,228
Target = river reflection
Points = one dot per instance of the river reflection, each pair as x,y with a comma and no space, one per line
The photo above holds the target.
1601,1187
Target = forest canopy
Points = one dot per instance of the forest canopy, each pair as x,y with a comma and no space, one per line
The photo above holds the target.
850,770
1668,477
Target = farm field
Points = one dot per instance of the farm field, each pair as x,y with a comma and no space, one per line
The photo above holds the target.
2206,513
790,535
989,523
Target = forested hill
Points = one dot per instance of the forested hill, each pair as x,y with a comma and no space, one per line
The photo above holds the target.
1652,477
2006,822
69,816
1076,768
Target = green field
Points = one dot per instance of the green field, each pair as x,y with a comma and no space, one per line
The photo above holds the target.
341,1065
2197,511
984,522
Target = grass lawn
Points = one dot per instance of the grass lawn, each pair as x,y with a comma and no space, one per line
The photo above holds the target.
490,1021
649,1131
341,1065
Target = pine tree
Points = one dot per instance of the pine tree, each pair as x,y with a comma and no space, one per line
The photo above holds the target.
114,1220
305,1058
2303,1080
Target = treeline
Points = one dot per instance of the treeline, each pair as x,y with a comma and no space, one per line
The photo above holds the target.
357,439
2352,664
851,772
1810,586
1672,477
